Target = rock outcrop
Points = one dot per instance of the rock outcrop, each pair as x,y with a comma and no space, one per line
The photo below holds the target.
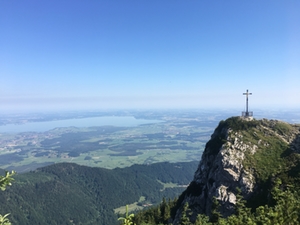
239,155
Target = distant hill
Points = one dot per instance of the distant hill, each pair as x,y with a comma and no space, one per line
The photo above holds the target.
68,193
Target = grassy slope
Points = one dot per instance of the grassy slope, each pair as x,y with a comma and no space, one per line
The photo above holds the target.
273,158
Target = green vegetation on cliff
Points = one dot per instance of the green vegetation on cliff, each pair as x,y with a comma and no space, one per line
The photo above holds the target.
284,210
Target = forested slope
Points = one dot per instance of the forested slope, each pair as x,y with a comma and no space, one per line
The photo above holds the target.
68,193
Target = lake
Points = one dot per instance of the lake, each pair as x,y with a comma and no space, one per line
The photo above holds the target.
120,121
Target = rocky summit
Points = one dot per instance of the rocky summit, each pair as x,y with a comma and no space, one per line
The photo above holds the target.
242,158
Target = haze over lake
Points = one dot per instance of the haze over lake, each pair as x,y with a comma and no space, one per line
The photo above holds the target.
121,121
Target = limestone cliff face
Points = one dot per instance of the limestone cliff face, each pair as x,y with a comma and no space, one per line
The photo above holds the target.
234,158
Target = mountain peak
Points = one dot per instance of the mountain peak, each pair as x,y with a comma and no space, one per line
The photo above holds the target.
242,154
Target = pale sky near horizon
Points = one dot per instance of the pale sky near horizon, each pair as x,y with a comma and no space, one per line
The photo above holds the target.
107,54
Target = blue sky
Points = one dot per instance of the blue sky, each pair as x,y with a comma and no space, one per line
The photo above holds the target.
96,54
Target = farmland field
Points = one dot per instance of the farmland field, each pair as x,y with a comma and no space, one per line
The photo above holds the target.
178,137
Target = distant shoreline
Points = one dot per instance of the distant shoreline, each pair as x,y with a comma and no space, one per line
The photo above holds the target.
120,121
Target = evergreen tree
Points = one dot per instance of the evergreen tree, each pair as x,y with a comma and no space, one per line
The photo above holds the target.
202,220
185,216
165,210
127,220
215,214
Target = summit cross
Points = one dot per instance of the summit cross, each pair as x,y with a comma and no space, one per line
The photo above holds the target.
247,113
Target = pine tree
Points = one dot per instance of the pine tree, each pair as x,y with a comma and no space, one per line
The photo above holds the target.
127,220
202,220
186,213
215,214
